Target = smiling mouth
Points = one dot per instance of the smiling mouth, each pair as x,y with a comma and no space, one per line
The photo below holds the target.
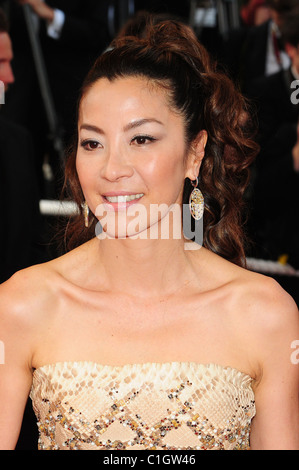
123,198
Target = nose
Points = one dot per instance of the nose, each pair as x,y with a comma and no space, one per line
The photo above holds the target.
7,76
10,75
116,166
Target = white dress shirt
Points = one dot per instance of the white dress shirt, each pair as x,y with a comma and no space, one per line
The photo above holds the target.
274,64
54,27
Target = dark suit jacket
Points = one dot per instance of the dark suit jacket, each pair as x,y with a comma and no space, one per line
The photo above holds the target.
278,116
84,36
276,196
20,221
255,52
245,52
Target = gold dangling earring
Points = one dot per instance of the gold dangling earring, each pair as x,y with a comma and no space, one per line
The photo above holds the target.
196,201
86,214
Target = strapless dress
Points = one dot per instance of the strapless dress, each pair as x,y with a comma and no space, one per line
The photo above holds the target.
152,406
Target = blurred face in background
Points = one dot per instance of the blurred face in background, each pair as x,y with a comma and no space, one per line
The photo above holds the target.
293,53
295,58
6,56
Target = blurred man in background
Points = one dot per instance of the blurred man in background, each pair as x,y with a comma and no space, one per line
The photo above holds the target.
20,221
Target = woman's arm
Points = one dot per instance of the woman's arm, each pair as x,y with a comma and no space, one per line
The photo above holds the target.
276,425
15,368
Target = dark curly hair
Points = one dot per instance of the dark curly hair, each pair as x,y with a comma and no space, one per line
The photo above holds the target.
171,56
4,25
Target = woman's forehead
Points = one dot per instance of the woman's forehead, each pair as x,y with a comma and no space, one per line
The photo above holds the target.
139,85
125,96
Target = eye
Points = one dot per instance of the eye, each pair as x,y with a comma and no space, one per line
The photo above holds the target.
89,144
143,139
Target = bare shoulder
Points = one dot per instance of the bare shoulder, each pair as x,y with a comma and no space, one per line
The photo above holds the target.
26,292
35,291
263,299
31,302
262,317
267,320
252,295
269,332
25,300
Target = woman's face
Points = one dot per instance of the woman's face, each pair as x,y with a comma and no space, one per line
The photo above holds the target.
131,153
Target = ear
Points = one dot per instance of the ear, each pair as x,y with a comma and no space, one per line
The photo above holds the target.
196,154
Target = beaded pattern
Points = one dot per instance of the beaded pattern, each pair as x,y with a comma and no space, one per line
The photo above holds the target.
196,204
170,406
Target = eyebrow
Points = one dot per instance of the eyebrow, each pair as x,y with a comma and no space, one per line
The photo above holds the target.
140,122
131,125
90,127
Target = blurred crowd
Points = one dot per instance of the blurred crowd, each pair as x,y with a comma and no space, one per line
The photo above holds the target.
47,47
263,58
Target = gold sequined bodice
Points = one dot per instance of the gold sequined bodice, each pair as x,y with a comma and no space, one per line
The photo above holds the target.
169,406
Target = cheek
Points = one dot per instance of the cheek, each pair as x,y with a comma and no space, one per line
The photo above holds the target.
85,174
166,172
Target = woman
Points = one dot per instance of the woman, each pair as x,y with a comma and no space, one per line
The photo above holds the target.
130,340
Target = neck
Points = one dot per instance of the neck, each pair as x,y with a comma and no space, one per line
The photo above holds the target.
145,267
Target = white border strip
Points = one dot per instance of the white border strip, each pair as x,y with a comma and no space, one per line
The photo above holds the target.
58,208
271,267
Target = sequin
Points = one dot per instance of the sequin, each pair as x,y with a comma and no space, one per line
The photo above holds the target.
170,406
